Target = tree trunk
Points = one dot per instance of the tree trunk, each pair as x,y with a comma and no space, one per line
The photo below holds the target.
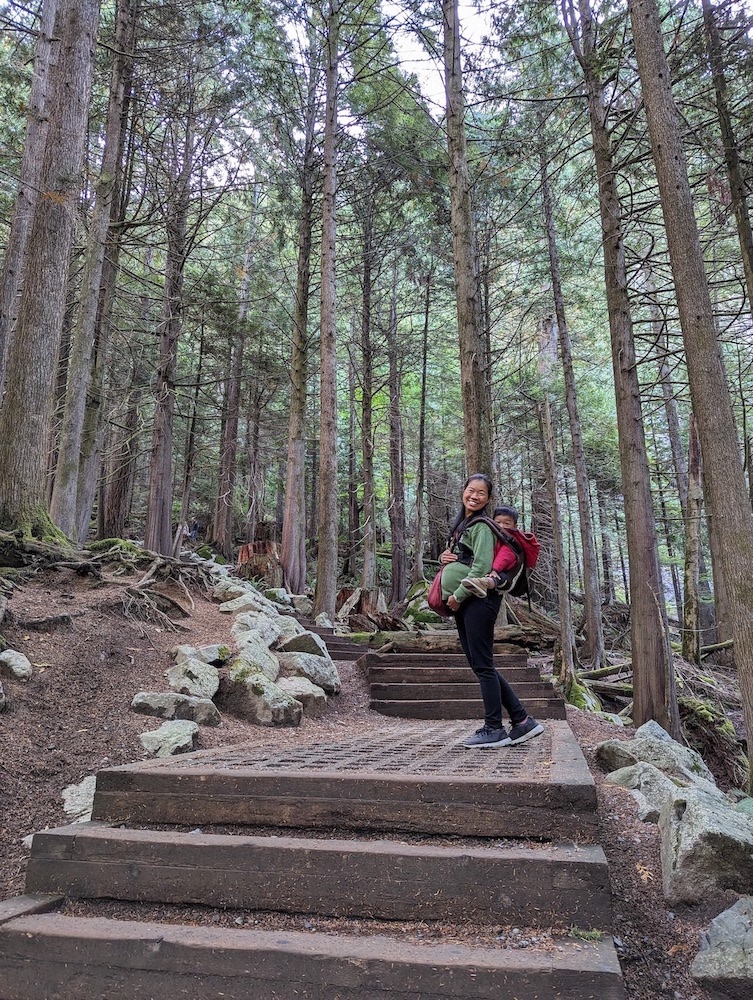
606,548
418,536
158,528
354,526
654,678
190,446
64,503
567,639
691,618
594,648
222,527
368,569
398,528
293,547
28,184
25,418
474,362
722,467
738,182
327,557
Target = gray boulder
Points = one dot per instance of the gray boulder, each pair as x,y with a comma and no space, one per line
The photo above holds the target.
227,588
193,677
78,800
649,786
322,620
312,697
302,604
305,642
724,965
169,705
14,664
654,745
262,624
320,671
3,699
254,655
245,602
178,736
279,595
705,845
215,654
253,696
289,627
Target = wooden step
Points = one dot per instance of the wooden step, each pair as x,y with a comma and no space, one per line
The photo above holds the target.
451,675
406,691
56,955
472,708
502,661
418,778
375,879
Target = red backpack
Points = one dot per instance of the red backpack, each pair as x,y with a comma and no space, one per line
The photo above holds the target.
526,547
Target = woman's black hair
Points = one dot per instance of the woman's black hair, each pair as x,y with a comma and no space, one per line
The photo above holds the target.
457,525
505,511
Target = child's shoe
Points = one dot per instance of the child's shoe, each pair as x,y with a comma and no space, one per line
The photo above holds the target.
479,585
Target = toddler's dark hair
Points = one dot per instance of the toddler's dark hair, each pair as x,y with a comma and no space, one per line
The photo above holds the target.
506,512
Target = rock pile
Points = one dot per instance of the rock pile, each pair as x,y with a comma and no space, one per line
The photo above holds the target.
706,844
270,674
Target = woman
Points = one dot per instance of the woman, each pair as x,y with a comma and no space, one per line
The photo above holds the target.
470,554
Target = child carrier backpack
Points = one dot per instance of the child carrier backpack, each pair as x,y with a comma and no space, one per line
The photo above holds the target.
526,547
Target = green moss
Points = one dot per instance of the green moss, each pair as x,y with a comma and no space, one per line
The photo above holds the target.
425,617
224,652
3,644
207,552
582,698
121,545
586,935
258,688
363,638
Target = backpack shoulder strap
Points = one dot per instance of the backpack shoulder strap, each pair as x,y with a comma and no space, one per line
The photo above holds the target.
499,533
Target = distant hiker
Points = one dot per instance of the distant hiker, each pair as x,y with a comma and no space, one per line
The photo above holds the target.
469,555
515,554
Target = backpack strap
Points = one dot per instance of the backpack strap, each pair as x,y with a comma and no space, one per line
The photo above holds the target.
506,539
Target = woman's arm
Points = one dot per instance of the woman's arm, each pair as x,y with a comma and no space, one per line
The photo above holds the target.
480,540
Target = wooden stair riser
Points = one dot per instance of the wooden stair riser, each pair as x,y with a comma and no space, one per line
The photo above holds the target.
463,807
449,675
540,886
457,691
69,958
539,708
502,661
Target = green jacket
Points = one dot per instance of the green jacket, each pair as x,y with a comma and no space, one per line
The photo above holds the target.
480,540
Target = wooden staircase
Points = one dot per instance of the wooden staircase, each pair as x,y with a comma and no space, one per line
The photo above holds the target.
399,824
443,686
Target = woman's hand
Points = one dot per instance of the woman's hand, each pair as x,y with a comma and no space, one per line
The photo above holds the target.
452,603
447,557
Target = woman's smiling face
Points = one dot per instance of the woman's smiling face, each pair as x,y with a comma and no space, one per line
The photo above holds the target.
475,496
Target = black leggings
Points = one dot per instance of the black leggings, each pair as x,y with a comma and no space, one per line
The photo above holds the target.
475,621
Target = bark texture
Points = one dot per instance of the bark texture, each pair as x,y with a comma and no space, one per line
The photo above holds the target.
26,416
724,479
327,557
653,671
474,362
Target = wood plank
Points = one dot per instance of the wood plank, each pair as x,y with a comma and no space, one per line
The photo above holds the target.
378,879
32,902
541,708
70,958
517,810
408,691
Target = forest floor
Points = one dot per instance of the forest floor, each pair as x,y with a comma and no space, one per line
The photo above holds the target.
72,718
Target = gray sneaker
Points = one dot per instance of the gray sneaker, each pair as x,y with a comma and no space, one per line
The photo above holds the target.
486,737
525,730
